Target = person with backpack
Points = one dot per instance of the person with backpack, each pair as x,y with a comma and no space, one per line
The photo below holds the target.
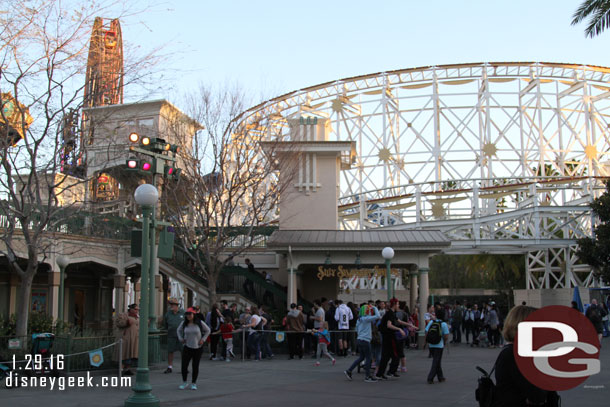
437,333
323,337
512,389
192,333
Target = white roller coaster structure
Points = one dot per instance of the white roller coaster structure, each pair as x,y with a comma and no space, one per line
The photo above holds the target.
502,157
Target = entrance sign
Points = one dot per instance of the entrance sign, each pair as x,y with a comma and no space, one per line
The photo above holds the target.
345,273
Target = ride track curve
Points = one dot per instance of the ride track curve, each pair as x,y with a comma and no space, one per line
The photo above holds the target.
504,157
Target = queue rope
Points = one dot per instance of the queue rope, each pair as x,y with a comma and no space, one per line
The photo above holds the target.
214,333
69,355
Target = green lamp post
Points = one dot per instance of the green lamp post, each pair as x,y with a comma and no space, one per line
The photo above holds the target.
388,255
62,261
146,196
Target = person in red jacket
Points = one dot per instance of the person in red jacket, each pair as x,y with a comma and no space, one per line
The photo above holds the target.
227,329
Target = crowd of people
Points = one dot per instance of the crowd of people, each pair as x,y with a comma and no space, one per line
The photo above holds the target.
377,332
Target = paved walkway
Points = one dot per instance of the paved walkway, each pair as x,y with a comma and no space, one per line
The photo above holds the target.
294,383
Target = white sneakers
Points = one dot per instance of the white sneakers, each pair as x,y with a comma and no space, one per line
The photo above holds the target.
185,385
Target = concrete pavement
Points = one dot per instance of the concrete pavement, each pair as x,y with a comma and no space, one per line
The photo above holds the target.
282,382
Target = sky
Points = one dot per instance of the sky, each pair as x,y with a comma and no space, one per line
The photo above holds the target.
273,47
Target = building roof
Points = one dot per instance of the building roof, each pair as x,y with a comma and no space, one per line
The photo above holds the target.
361,239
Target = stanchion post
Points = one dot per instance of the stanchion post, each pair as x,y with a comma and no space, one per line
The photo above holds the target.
243,345
68,360
120,357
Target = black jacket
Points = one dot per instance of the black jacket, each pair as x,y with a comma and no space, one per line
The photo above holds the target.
512,388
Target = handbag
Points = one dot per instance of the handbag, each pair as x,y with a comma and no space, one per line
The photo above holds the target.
486,388
399,335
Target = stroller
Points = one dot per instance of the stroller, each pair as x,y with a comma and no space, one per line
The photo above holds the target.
481,340
41,345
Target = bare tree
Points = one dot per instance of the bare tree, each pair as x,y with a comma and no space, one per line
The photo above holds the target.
43,58
229,190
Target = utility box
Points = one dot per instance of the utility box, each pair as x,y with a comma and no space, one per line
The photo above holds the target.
166,244
136,243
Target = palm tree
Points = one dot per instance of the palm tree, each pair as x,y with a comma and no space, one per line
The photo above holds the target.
598,13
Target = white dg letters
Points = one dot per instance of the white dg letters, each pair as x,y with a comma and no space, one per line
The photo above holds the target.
525,332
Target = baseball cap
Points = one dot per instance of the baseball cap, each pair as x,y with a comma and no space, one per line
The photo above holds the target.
191,310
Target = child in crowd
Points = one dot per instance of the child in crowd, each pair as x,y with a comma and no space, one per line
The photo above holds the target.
226,329
323,342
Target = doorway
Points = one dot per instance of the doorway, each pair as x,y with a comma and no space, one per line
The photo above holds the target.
79,308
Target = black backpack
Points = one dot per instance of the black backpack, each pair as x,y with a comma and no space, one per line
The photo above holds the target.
434,334
486,388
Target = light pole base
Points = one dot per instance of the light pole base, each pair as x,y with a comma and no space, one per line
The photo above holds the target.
421,339
142,396
154,346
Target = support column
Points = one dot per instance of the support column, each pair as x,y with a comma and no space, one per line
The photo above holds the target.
137,293
119,293
424,291
413,289
126,292
291,296
53,302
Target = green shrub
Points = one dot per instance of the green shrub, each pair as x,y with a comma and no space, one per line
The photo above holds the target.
40,322
8,326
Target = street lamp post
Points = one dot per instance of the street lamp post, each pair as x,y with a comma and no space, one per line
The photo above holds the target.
62,261
388,255
152,318
146,196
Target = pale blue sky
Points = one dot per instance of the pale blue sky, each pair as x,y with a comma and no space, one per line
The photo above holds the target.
272,47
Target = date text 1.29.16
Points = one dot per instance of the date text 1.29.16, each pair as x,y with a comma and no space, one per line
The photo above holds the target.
37,362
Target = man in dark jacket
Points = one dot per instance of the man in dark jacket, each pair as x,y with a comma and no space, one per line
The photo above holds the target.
295,325
332,325
596,314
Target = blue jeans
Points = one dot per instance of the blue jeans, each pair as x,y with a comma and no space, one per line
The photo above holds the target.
376,350
364,350
254,344
264,344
